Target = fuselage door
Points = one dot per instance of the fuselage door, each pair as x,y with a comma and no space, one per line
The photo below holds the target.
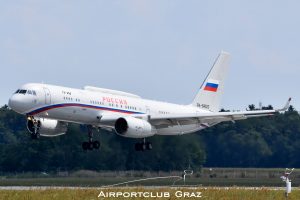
47,96
148,113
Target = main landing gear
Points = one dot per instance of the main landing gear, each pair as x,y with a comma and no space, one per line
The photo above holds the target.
90,145
143,146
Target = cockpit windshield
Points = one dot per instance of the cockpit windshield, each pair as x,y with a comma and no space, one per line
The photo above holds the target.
30,92
23,91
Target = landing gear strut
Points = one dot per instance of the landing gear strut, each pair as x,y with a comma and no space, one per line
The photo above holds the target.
90,145
143,146
33,126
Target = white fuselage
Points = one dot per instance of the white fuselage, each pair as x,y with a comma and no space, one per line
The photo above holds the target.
93,106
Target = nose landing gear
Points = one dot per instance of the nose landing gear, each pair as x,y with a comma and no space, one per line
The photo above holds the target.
90,145
33,126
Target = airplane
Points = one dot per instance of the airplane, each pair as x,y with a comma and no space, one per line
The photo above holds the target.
50,108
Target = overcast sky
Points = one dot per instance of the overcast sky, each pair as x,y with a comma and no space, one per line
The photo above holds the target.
159,50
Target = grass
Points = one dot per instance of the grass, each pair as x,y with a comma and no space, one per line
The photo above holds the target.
222,185
205,177
102,181
206,193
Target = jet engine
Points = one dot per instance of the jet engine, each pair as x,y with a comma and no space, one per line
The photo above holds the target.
47,127
133,127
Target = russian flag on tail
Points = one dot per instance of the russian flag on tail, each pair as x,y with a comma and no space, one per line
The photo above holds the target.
211,85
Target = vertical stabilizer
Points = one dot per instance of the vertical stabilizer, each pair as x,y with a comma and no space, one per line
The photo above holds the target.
211,90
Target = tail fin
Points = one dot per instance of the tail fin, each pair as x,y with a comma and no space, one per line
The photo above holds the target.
209,94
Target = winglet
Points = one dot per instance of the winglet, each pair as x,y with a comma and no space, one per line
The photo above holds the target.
287,105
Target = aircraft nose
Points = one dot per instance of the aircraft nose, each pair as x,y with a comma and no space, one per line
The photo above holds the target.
12,102
15,103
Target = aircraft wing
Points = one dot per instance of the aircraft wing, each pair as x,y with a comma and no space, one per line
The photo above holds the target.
209,119
204,119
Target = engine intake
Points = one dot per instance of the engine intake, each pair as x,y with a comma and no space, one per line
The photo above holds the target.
121,126
133,127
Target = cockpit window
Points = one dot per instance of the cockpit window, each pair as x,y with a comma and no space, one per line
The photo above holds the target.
22,91
30,92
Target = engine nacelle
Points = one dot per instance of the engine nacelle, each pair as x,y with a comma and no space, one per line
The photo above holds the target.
133,127
48,127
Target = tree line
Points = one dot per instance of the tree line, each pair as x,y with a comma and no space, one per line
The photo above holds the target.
259,142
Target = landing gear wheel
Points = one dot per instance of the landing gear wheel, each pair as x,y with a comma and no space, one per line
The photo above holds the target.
149,145
90,145
96,144
35,136
143,146
85,146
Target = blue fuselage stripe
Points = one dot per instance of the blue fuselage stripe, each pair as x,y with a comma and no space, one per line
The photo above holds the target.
50,107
